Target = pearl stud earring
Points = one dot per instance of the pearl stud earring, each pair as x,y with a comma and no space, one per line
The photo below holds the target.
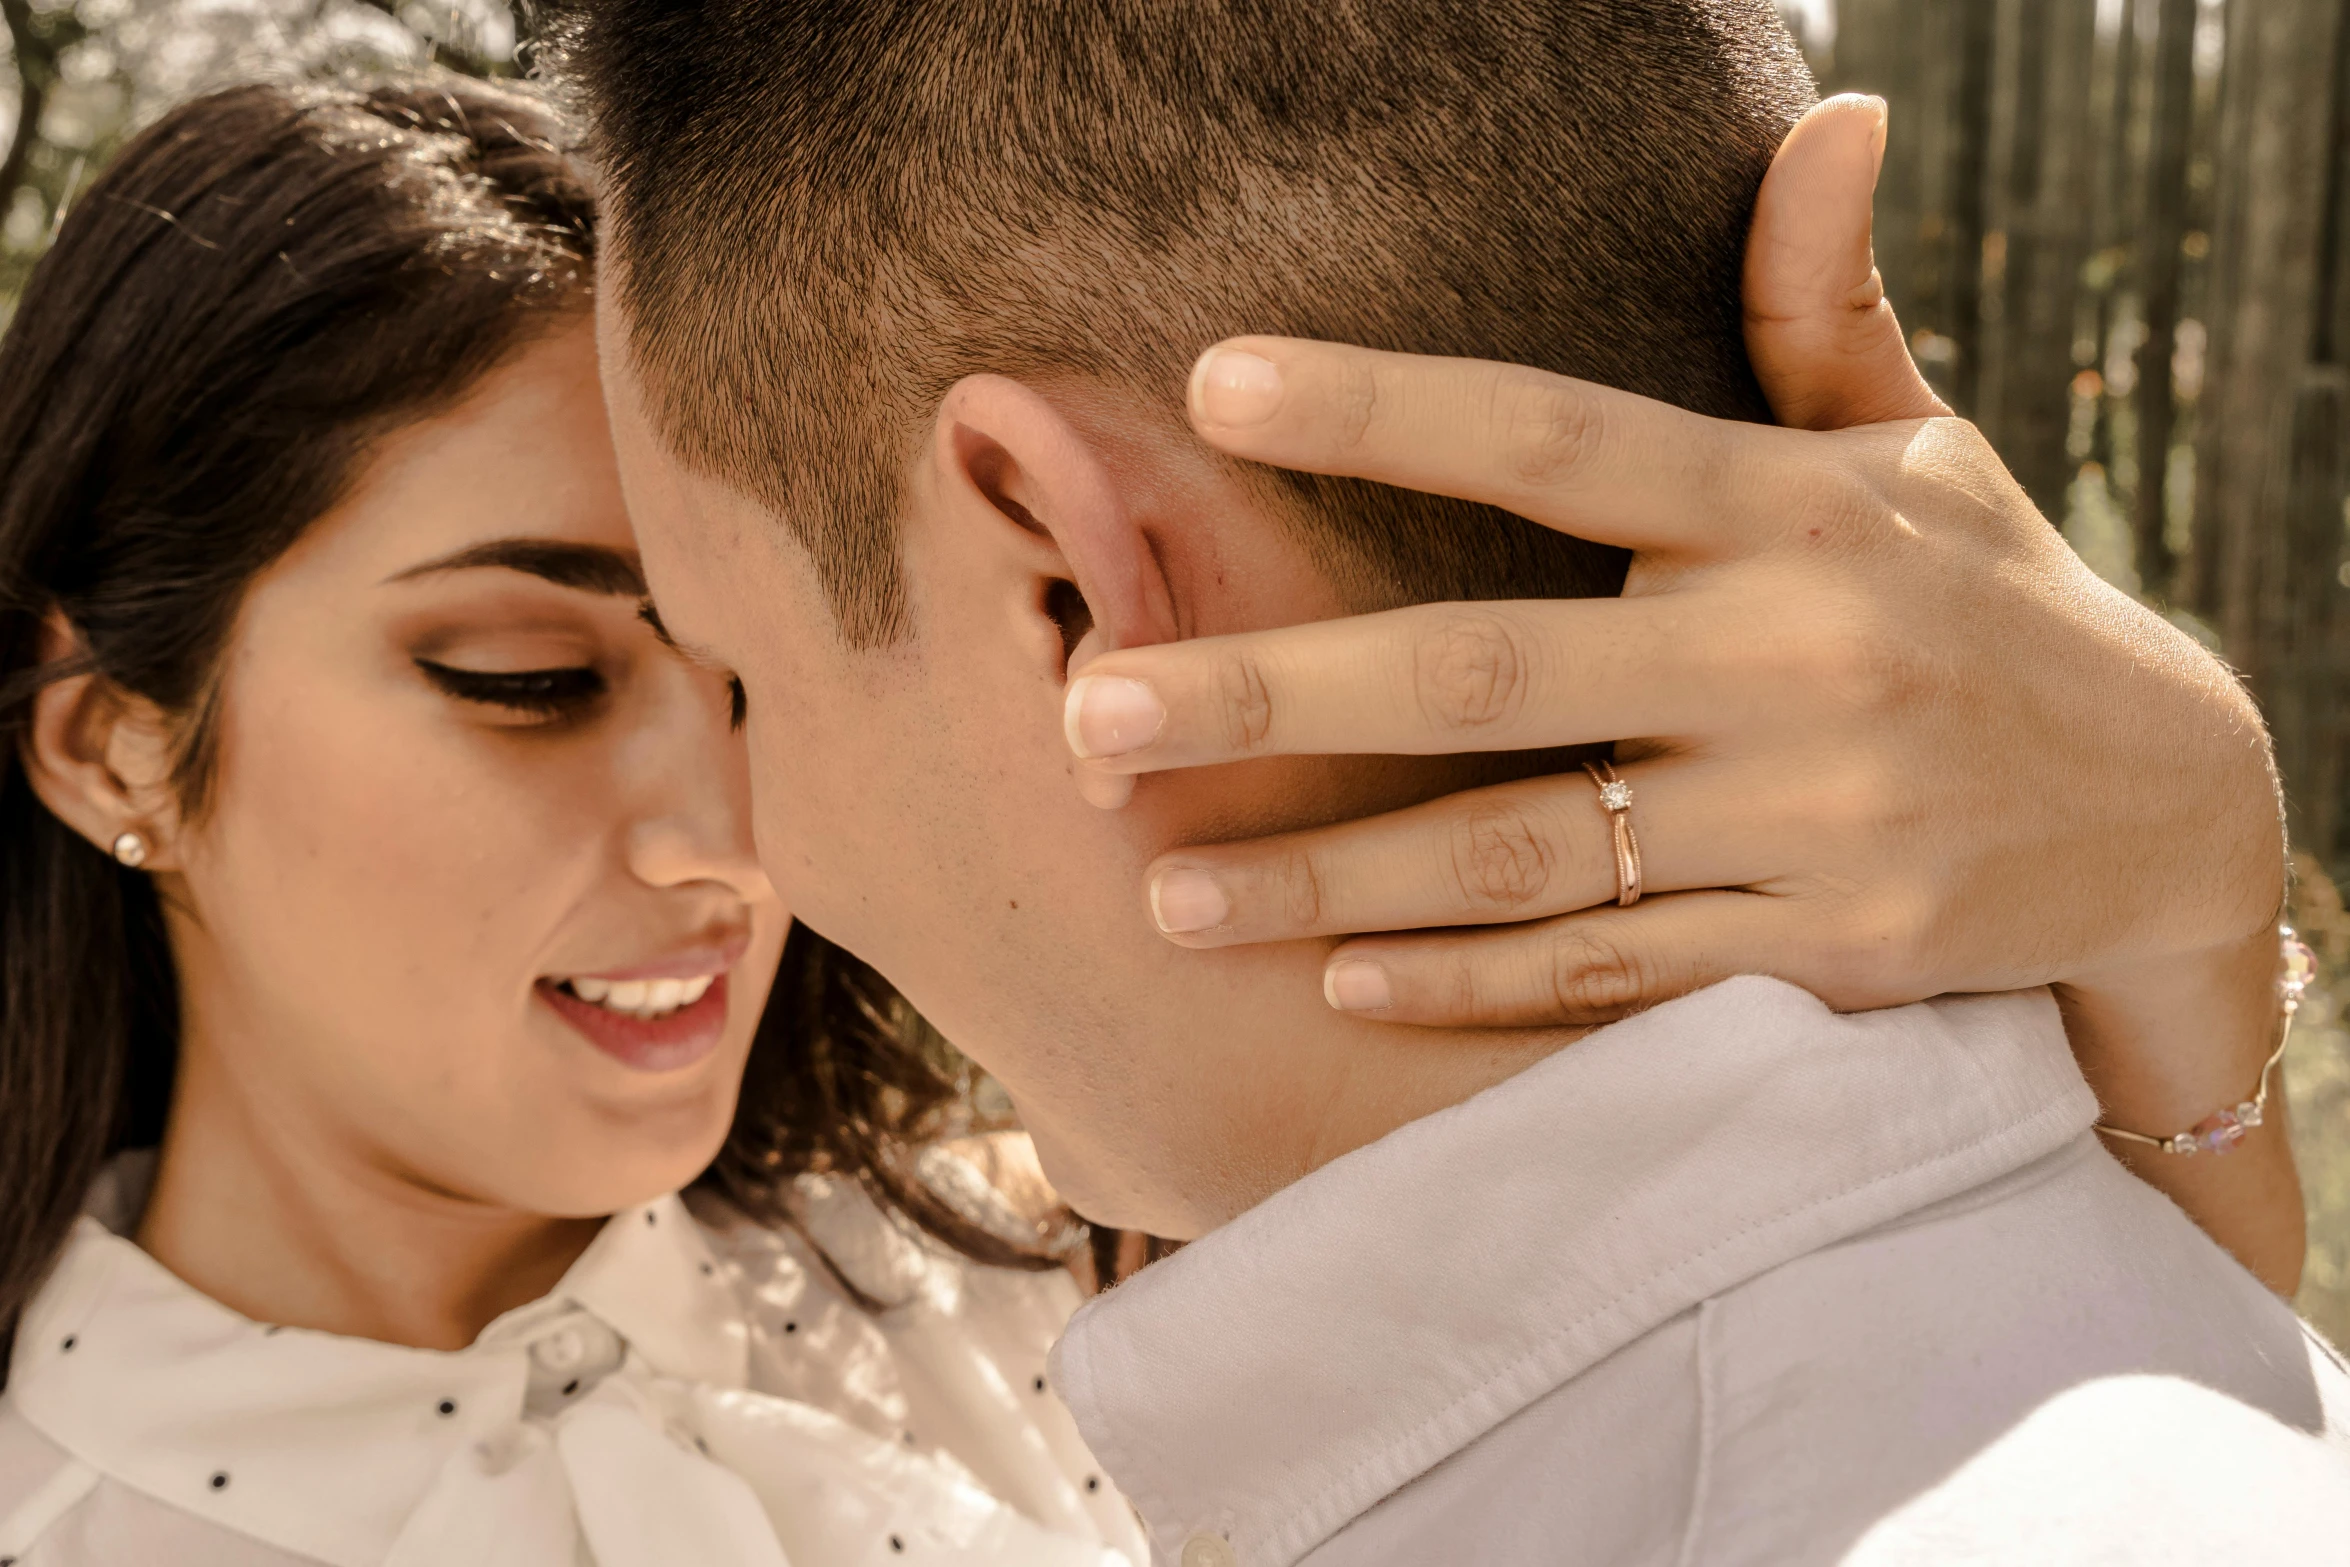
131,849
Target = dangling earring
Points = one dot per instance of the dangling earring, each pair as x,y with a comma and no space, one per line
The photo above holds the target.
130,849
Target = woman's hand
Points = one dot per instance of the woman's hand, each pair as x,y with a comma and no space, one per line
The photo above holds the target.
1887,736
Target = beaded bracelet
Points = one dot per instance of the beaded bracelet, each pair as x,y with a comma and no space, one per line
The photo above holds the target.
2222,1130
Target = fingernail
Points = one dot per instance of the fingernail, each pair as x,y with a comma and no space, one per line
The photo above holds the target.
1357,986
1183,901
1235,389
1106,715
1877,136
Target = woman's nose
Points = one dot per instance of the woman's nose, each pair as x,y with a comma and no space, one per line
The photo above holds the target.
674,850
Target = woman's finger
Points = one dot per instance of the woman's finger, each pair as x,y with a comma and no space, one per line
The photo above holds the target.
1511,852
1591,967
1585,459
1429,680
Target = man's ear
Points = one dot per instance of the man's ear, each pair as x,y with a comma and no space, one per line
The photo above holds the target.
101,759
1005,451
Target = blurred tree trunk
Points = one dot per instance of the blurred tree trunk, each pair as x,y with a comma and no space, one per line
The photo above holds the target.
1974,30
1931,61
2159,263
1886,47
2270,472
37,40
2041,199
2119,217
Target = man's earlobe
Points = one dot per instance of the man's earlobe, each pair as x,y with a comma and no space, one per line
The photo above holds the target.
1007,447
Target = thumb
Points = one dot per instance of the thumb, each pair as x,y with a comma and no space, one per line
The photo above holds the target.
1822,336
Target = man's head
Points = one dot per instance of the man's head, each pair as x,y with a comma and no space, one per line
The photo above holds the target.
901,301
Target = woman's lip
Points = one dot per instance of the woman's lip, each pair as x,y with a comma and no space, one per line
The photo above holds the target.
688,963
659,1044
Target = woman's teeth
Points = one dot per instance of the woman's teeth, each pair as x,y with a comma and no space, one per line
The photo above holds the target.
645,998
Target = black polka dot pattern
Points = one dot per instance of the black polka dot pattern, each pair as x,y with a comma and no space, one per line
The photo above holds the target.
71,1339
220,1479
447,1407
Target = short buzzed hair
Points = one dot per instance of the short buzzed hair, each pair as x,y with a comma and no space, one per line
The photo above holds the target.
829,211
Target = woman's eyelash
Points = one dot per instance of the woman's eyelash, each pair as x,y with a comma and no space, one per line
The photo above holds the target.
544,693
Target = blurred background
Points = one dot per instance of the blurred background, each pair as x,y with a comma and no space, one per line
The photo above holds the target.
2118,232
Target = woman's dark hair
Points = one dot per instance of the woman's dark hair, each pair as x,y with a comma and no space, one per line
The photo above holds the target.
262,284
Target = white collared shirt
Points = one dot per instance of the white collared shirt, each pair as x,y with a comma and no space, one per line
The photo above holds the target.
1735,1281
691,1393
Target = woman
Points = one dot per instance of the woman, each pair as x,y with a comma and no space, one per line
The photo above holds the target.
431,936
366,856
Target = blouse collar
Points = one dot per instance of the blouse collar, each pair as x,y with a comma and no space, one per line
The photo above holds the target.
149,1381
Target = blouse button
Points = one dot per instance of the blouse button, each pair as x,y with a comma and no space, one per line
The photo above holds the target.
1208,1550
562,1351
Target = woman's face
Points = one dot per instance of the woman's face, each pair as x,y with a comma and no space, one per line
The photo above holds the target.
473,897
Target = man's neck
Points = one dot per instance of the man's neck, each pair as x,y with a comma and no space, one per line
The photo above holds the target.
1401,1075
1344,1084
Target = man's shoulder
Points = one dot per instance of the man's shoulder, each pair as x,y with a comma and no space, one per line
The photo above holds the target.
2135,1469
1904,1392
1611,1461
2063,1301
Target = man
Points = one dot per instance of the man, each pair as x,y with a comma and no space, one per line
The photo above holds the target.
901,301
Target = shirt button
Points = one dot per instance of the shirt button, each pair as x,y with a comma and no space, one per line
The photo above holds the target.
564,1351
1208,1550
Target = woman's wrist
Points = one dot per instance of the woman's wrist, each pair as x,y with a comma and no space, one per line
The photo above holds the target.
2164,1044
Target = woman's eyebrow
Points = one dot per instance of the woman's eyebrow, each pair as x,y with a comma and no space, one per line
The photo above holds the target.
591,568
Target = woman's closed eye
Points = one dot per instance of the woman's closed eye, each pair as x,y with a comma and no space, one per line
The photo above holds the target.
558,693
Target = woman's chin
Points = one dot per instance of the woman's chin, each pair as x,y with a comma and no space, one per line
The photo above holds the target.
623,1159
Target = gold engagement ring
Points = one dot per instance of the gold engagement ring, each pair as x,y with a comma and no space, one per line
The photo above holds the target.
1615,797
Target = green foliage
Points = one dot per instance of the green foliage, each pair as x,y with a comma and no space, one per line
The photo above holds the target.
103,68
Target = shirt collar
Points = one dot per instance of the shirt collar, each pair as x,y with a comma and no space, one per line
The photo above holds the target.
649,1276
162,1388
1278,1377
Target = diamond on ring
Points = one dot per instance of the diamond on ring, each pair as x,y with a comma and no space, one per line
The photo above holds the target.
1616,795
